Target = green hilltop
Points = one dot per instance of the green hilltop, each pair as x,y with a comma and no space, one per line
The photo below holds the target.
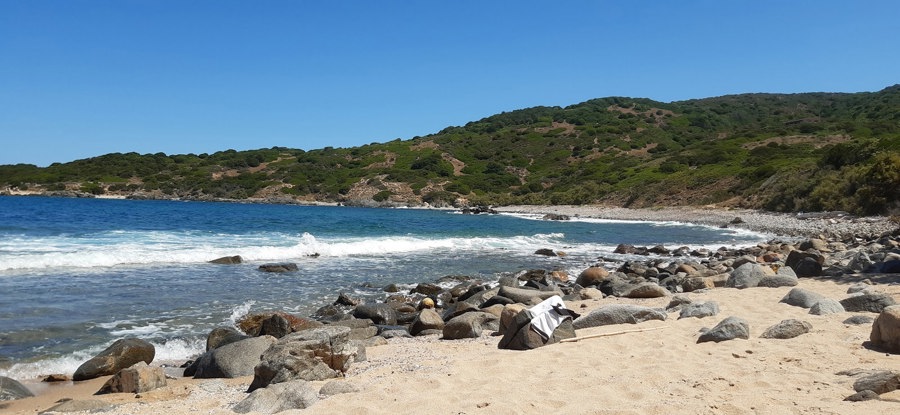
779,152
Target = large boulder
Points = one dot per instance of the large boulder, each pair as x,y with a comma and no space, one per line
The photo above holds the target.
618,314
221,336
380,313
427,319
315,354
647,290
138,378
233,360
526,295
806,263
801,297
729,329
886,330
294,394
121,354
699,310
746,276
826,306
878,381
785,277
470,325
787,329
592,276
11,389
252,324
868,301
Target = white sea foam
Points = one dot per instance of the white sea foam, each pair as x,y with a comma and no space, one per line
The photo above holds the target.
238,312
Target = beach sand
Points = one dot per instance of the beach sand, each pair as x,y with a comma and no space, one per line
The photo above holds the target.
658,371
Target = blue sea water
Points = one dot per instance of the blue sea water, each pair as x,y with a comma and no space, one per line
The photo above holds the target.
77,274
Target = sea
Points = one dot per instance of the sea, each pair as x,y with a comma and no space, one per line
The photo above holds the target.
78,274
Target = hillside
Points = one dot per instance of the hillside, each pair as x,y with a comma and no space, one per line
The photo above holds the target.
780,152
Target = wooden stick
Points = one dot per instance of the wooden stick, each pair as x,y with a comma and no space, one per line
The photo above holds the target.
575,339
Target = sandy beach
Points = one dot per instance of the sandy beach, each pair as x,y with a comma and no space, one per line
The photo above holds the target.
654,367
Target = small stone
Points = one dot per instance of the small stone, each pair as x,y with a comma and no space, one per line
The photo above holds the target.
787,329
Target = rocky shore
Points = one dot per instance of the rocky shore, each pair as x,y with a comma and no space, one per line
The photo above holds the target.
806,323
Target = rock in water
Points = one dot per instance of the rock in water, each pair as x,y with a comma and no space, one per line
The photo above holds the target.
729,329
618,314
123,353
138,378
787,329
11,389
295,394
886,330
228,260
233,360
285,267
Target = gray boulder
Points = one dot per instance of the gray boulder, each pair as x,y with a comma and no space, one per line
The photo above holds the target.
11,389
427,319
729,329
801,297
826,306
138,378
746,276
678,302
233,360
785,277
228,260
886,330
315,354
858,320
699,310
879,381
787,329
294,394
221,336
285,267
379,313
121,354
527,296
868,301
470,325
618,314
647,290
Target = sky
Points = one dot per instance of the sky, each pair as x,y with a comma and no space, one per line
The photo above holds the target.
83,78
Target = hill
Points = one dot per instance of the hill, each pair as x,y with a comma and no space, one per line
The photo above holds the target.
779,152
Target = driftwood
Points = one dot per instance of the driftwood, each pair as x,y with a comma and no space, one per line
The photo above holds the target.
615,333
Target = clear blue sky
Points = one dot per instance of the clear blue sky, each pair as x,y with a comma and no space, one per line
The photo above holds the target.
84,78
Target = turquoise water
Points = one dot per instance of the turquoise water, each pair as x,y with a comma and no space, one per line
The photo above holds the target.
76,274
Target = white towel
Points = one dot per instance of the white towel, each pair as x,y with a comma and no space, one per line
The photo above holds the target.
546,318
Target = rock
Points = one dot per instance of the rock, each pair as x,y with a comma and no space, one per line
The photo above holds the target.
545,252
736,220
252,324
275,326
379,313
283,267
121,354
889,267
295,394
518,334
618,314
315,354
787,329
625,249
11,389
337,387
697,283
886,330
814,243
678,301
826,306
221,336
729,329
525,295
508,316
858,288
659,250
56,377
858,320
138,378
699,310
801,297
427,319
555,216
469,325
228,260
868,301
233,360
590,293
746,276
794,258
808,267
80,405
592,276
346,300
647,290
866,395
785,277
879,381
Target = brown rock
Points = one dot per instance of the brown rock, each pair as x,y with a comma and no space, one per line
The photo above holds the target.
886,330
592,276
135,379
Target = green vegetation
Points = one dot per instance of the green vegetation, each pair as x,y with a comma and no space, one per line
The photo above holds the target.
797,152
